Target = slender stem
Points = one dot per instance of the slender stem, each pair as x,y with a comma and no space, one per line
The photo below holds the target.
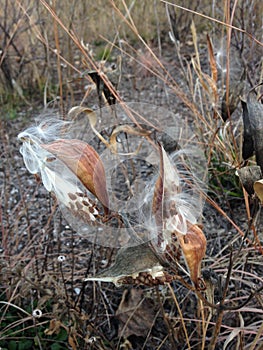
220,312
181,316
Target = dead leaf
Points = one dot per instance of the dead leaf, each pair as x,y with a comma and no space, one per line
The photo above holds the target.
104,86
71,342
235,332
131,130
54,327
194,35
92,118
207,82
135,313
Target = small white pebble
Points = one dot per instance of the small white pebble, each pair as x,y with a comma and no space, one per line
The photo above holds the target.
37,313
77,291
61,258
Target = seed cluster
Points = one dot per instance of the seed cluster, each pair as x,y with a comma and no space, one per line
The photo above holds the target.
146,279
82,207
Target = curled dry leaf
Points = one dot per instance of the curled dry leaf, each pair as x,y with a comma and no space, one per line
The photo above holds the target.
105,86
132,130
54,327
74,113
193,246
85,163
112,143
258,187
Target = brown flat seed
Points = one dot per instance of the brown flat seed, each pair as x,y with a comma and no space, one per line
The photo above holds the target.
79,205
92,210
71,205
162,280
142,279
50,159
81,194
86,203
72,196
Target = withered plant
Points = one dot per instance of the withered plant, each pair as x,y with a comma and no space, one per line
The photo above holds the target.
53,290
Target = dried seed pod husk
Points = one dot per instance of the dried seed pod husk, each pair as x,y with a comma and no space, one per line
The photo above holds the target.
248,143
253,130
248,176
85,163
193,246
258,187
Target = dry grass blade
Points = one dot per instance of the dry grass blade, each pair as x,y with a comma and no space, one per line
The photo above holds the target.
181,316
212,61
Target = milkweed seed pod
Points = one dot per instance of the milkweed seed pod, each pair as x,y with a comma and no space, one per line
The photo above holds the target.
153,228
175,215
70,168
85,163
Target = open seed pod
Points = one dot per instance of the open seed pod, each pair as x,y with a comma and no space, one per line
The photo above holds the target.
166,185
175,219
134,265
85,163
193,246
